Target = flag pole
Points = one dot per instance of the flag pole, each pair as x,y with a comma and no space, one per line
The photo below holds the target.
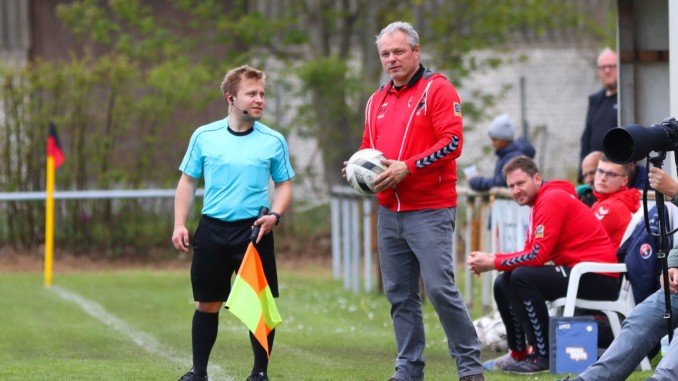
49,222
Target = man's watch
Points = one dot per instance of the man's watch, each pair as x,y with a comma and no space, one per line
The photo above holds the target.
278,217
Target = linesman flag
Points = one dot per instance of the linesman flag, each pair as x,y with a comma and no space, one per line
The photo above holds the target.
251,299
54,147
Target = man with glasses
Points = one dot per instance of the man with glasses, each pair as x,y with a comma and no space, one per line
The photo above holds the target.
645,325
616,202
562,233
602,109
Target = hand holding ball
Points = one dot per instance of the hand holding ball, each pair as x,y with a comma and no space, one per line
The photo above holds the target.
362,168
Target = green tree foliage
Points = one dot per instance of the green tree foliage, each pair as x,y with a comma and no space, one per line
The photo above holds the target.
139,64
328,45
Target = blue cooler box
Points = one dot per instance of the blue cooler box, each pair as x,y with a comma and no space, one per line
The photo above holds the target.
573,343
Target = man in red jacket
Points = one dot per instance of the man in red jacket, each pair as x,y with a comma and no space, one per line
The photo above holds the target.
562,233
415,120
616,203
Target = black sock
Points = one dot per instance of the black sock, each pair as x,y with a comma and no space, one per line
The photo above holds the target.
260,358
204,333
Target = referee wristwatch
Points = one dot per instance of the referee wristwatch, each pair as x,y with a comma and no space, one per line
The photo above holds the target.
278,217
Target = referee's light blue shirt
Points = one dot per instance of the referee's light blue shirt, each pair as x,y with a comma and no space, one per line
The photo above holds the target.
236,167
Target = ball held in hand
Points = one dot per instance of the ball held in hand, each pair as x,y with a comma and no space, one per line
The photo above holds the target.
362,168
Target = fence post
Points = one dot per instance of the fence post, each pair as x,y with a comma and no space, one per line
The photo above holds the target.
336,237
346,240
355,246
352,250
468,246
367,243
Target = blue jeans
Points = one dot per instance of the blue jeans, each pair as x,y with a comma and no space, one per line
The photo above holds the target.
641,331
420,243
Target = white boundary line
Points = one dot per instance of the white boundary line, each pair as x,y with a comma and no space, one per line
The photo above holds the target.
141,339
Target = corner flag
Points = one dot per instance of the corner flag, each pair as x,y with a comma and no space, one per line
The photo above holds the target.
55,157
54,147
251,299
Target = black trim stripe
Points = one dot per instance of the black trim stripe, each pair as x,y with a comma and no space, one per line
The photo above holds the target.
282,147
522,258
190,153
439,154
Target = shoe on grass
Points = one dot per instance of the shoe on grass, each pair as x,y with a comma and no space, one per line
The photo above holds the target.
473,377
261,376
499,363
532,364
192,376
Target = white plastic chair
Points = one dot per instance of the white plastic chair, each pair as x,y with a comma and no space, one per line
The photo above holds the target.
611,308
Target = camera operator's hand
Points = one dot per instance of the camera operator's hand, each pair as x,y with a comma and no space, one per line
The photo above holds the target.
673,280
662,182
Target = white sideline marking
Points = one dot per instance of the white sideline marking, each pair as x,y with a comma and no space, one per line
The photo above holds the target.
141,339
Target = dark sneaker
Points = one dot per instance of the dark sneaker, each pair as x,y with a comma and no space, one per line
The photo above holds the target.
473,377
532,364
500,363
261,376
192,376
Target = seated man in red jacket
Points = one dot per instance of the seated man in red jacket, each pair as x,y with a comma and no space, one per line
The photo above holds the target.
562,233
616,202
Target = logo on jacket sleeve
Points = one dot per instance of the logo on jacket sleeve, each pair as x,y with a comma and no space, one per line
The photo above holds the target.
539,231
457,109
602,212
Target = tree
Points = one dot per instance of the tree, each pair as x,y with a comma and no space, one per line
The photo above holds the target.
329,45
139,64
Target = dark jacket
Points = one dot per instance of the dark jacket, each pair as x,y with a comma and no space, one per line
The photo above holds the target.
639,252
517,147
640,178
600,117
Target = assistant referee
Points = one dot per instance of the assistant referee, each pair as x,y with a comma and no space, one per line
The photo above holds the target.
236,156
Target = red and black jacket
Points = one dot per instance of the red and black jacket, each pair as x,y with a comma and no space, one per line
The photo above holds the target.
421,125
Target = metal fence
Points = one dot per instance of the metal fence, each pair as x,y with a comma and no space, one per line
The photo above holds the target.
488,221
353,221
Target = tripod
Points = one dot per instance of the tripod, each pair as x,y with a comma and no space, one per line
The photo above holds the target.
657,161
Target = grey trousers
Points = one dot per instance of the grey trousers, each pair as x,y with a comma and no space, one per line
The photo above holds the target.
414,243
640,332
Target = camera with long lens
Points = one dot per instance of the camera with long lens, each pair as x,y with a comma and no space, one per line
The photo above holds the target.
634,142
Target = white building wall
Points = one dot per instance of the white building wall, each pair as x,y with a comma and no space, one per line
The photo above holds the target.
557,85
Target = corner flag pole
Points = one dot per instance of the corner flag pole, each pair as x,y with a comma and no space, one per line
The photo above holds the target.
49,222
55,157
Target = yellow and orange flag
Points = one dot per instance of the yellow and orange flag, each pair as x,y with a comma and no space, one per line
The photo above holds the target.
251,299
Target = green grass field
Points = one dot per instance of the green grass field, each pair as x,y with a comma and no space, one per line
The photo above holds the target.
135,325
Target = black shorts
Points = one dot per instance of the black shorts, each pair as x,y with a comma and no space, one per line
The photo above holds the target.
218,250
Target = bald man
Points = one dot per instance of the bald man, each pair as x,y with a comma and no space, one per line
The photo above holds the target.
588,172
589,165
602,109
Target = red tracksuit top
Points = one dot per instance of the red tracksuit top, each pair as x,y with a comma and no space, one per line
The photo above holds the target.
614,211
562,230
421,125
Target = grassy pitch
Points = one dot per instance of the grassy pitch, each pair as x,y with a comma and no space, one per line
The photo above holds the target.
135,325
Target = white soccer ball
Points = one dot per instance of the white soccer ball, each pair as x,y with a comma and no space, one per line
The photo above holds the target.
491,332
362,168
